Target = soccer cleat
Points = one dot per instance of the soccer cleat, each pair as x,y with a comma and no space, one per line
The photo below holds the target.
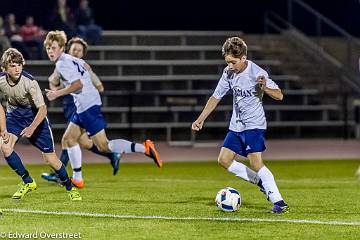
51,177
280,207
151,152
24,188
78,184
74,194
115,162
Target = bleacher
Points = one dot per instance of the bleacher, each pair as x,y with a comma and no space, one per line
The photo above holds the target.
157,82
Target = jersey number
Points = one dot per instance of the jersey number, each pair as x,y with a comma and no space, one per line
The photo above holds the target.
78,67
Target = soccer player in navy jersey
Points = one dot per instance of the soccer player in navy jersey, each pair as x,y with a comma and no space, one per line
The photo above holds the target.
26,117
88,116
248,82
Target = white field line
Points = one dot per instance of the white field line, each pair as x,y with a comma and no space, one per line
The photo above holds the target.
104,215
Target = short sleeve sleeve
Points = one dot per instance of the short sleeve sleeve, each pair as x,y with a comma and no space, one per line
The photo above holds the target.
269,82
36,94
222,87
70,70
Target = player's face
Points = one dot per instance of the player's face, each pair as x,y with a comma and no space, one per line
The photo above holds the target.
235,64
14,70
54,51
76,50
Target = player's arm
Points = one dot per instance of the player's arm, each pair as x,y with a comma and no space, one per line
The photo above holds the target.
40,115
209,107
274,93
73,87
38,100
54,81
222,87
94,79
4,134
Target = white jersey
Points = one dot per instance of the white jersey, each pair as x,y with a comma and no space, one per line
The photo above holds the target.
71,69
248,112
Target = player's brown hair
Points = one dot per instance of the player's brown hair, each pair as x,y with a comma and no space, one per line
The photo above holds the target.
11,55
58,36
234,46
79,41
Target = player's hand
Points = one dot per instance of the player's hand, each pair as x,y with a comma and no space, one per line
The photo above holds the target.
51,94
197,125
261,81
27,132
5,137
260,86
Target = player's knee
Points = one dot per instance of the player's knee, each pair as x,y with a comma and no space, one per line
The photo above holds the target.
256,165
86,144
63,141
224,162
6,149
103,147
67,141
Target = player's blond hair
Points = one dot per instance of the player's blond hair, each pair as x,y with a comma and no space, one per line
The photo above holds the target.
58,36
79,41
11,55
235,47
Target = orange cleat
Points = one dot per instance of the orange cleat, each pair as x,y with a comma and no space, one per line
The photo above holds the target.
78,184
151,152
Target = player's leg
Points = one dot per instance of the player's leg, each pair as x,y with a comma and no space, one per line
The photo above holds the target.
69,111
94,123
86,143
226,160
71,136
60,171
268,181
43,140
64,158
233,145
14,161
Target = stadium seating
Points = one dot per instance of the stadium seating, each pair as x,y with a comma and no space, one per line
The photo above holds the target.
156,83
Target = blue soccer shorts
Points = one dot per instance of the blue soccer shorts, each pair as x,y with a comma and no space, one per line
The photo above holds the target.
91,120
245,142
42,137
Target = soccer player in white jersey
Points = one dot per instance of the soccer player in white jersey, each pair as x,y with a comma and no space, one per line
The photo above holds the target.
77,47
88,116
26,117
248,82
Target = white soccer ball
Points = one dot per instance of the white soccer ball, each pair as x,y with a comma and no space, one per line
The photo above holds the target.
228,199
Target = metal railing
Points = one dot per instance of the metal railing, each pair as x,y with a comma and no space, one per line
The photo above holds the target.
301,15
327,41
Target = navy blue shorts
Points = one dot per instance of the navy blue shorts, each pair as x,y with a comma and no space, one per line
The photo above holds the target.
69,111
245,142
91,120
42,137
69,107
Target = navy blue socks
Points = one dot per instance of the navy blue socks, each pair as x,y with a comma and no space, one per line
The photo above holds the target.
15,163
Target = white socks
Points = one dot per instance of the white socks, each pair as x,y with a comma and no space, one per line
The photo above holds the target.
269,184
242,171
124,146
75,160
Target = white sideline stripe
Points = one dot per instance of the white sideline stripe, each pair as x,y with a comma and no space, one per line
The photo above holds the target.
104,215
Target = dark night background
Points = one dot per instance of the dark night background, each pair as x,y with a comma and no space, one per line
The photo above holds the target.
246,16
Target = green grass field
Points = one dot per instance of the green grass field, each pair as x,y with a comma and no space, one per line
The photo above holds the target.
177,202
